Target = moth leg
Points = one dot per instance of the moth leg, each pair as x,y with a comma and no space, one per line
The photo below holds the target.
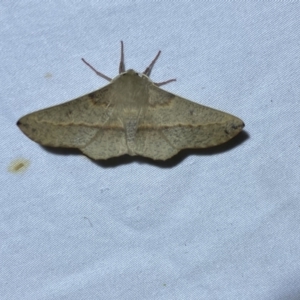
164,82
122,64
97,72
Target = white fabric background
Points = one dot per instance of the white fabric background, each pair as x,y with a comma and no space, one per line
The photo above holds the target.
217,224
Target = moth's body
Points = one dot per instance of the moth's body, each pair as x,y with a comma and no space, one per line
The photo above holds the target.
130,112
131,115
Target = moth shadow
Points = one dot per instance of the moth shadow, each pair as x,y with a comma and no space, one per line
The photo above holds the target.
169,163
62,151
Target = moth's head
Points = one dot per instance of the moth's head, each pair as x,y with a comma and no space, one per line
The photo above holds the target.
133,75
132,72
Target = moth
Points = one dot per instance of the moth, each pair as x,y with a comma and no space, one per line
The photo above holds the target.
131,115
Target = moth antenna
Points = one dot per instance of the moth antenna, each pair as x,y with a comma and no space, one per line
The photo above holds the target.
149,68
122,64
97,72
